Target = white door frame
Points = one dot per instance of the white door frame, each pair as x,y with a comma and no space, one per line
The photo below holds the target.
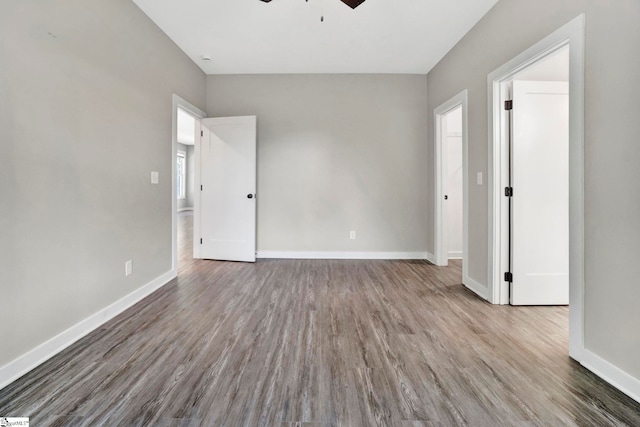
197,113
571,34
441,255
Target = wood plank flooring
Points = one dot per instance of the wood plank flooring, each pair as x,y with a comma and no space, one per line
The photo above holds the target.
319,343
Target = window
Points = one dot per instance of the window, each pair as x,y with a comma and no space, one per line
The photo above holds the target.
181,175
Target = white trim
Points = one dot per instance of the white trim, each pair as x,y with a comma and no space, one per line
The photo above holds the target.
340,255
178,102
454,255
197,190
475,286
441,255
30,360
431,258
612,374
571,34
185,209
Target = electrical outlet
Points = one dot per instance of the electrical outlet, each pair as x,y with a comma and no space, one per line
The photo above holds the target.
155,177
128,268
479,178
352,235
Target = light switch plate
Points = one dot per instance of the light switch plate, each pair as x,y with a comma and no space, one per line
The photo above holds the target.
154,177
479,178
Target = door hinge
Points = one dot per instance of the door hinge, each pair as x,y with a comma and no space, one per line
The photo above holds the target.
508,277
200,241
508,191
508,105
201,133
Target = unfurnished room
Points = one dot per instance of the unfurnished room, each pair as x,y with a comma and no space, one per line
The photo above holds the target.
319,213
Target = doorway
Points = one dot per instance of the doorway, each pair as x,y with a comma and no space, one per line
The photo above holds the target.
534,157
538,182
452,174
185,161
184,121
184,184
571,37
451,213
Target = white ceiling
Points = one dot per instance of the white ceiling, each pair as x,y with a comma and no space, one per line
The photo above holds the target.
286,36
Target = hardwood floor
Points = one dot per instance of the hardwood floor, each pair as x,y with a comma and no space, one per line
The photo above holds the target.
319,343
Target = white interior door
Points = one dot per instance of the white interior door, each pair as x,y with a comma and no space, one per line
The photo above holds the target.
226,212
540,203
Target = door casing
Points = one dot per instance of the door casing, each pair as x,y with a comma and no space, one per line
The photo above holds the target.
571,34
441,255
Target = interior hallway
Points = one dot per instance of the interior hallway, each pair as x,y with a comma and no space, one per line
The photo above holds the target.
354,343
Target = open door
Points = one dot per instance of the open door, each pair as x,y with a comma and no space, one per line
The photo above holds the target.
540,200
226,212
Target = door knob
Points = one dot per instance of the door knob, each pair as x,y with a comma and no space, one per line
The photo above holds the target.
446,197
249,196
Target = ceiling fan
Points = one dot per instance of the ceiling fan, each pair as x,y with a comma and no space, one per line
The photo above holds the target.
351,3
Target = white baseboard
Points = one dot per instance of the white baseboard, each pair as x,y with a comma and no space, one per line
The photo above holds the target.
340,255
611,374
23,364
431,258
476,287
455,254
185,209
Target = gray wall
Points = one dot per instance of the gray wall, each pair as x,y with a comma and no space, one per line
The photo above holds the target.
612,152
335,153
188,201
85,116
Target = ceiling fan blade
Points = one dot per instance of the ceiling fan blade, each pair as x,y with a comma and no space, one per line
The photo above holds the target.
352,3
